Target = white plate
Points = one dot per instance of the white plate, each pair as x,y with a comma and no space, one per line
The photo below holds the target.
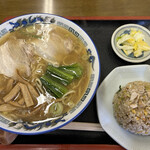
120,53
107,89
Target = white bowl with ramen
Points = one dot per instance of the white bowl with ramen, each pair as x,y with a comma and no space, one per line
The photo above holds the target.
49,72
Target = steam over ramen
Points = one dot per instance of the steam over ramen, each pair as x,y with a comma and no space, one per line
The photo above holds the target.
44,71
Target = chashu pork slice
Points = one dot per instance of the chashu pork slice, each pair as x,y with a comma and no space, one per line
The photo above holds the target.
15,54
53,46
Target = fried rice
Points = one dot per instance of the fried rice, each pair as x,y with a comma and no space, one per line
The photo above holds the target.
131,105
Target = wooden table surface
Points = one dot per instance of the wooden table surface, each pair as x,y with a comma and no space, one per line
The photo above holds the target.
79,8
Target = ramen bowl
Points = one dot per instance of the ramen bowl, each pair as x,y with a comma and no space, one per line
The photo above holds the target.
50,124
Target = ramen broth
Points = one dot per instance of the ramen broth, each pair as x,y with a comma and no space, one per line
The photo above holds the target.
44,45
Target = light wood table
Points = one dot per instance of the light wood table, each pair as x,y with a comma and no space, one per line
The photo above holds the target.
77,8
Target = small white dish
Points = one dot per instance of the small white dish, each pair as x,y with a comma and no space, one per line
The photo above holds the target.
120,53
105,93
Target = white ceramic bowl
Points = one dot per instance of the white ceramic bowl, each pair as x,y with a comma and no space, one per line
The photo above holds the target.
47,126
105,93
120,53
